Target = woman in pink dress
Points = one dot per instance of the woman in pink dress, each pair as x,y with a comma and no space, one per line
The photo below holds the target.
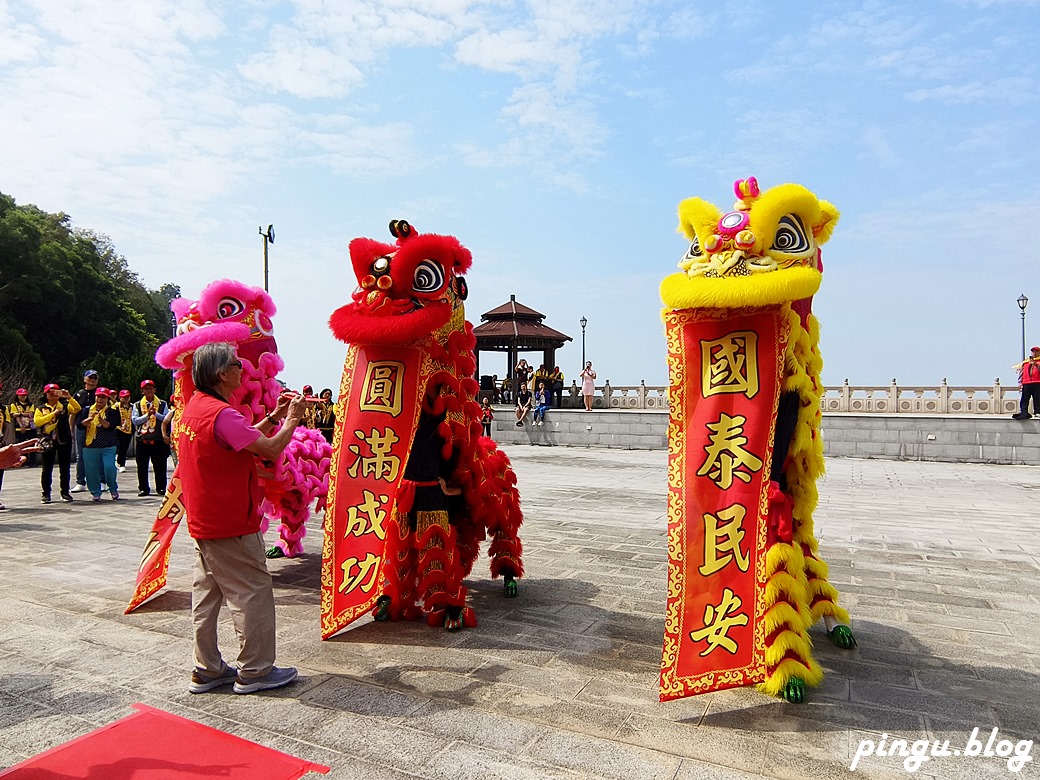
588,385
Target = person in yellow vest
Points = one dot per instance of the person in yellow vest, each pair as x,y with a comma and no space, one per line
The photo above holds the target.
52,422
555,386
148,417
310,417
325,414
3,439
125,432
20,413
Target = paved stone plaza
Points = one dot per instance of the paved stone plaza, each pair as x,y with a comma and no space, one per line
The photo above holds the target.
938,564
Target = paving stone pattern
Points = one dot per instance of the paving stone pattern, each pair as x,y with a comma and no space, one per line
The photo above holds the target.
937,562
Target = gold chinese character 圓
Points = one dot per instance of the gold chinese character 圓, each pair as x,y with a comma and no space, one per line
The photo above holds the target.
730,364
383,387
379,463
718,621
726,457
367,517
722,537
369,567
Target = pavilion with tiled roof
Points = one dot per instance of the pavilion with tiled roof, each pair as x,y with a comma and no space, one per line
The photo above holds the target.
514,328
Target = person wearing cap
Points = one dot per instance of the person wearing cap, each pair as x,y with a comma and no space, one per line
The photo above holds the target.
85,399
52,422
3,438
222,498
125,432
100,421
325,414
1029,379
310,416
21,414
148,416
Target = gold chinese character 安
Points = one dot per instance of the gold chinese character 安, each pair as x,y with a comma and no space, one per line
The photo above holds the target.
367,517
726,457
730,364
369,567
383,387
379,463
723,534
718,621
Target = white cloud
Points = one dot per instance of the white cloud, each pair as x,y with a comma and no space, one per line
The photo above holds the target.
1013,90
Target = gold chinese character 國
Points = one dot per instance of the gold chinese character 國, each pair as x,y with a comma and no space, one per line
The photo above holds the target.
367,517
380,464
730,364
717,623
722,537
726,457
366,568
382,390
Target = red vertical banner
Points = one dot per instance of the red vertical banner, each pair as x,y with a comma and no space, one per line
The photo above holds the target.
726,371
380,398
155,560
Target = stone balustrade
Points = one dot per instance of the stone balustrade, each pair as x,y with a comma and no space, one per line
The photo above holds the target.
881,399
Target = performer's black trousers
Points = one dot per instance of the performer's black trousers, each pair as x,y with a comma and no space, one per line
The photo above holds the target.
1031,390
156,453
122,445
63,454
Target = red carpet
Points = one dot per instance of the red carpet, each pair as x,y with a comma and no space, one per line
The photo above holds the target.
155,745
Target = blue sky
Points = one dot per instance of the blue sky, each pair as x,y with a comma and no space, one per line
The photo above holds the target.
555,139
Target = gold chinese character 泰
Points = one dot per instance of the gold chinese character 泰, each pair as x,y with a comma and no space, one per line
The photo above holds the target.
383,387
730,364
722,537
367,517
380,464
726,456
717,623
366,568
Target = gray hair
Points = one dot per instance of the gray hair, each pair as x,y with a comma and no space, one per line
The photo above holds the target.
209,361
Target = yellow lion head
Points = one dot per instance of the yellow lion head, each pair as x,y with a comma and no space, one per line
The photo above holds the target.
765,251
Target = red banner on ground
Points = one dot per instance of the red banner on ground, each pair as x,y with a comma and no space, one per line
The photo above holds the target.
726,369
155,560
380,397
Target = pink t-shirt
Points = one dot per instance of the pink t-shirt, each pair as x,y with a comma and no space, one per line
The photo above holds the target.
232,432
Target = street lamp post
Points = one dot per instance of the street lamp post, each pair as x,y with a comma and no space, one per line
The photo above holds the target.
268,239
585,322
1023,301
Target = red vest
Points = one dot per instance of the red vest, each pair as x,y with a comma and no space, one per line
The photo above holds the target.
221,494
1030,372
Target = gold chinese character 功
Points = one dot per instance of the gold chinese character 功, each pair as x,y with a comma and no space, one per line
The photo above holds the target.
367,517
718,622
730,364
366,568
726,457
382,390
722,537
380,464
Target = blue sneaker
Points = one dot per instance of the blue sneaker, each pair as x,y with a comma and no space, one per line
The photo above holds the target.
275,678
201,683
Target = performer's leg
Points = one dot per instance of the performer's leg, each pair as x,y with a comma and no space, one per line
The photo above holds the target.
142,456
64,467
46,472
81,444
160,457
206,598
91,460
108,468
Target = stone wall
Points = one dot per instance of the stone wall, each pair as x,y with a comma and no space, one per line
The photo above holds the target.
955,438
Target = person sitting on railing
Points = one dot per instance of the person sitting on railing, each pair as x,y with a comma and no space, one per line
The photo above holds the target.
523,405
1029,378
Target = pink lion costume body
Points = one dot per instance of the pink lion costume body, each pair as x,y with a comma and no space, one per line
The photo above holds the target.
230,311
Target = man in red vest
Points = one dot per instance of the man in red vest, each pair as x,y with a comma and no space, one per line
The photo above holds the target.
1029,378
217,468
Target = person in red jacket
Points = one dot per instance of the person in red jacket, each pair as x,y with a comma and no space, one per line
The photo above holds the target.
221,495
1029,378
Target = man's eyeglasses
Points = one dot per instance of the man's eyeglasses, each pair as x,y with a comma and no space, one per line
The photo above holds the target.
235,363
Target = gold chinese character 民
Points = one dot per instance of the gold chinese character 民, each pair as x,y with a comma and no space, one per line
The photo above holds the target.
366,568
730,364
381,392
722,537
367,517
717,623
726,456
380,464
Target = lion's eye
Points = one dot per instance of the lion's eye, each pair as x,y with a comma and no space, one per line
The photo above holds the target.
694,251
429,277
229,307
790,237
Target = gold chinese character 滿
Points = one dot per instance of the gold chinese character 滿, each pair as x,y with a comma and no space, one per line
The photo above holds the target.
366,568
380,464
382,390
717,623
722,537
367,517
726,457
730,364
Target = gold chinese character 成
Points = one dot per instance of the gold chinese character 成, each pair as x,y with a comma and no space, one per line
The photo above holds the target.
726,456
382,390
367,517
722,537
717,623
380,464
366,568
730,364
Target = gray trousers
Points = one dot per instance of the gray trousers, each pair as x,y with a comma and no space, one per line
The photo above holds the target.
233,571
